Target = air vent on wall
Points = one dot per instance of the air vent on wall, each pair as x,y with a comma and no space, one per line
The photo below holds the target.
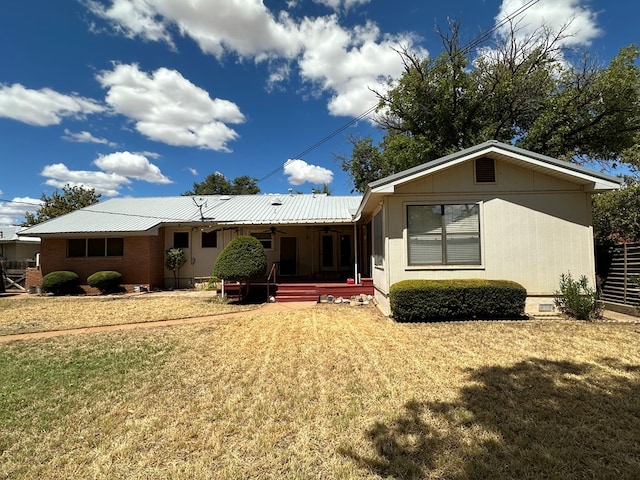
485,170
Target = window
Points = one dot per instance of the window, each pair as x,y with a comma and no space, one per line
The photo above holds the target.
485,170
265,239
95,247
77,247
378,240
210,239
180,239
443,234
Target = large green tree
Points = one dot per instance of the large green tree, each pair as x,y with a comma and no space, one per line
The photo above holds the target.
519,91
71,198
616,214
217,184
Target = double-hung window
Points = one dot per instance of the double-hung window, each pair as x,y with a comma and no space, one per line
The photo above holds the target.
443,234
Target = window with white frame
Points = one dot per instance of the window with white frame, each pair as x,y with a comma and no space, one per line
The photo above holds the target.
265,239
378,240
443,234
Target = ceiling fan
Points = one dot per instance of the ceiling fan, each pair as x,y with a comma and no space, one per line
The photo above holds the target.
274,230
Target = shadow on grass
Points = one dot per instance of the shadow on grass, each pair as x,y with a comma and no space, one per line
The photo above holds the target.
536,419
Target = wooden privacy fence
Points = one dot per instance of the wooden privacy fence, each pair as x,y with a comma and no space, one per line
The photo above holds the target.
617,267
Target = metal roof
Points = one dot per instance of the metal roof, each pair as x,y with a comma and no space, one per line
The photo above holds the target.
12,233
131,215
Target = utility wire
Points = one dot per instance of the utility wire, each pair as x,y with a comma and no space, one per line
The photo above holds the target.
480,39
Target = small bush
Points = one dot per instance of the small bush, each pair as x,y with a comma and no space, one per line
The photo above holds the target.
241,260
61,282
577,299
429,300
106,281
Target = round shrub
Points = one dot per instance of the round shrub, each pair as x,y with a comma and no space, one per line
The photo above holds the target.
60,282
242,259
106,281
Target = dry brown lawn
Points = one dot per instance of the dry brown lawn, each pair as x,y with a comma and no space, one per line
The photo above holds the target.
329,392
30,313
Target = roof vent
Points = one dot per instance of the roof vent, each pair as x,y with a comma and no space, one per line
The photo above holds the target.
485,170
276,201
225,197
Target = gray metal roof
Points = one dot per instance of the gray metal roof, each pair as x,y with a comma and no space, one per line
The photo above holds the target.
130,215
12,233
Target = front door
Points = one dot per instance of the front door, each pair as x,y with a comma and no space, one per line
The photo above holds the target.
288,255
328,251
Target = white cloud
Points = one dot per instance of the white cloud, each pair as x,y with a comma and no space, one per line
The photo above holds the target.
131,165
105,183
300,172
85,137
247,27
349,63
133,18
192,171
43,107
553,14
169,108
13,211
345,63
338,5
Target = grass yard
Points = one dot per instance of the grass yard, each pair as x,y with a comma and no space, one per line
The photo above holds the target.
329,392
30,313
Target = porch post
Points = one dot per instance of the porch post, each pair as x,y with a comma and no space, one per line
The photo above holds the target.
355,250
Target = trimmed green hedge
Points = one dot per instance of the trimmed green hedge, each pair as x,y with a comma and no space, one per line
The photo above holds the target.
61,282
242,259
107,281
429,300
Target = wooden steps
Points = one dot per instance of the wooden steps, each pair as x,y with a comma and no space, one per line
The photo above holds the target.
304,292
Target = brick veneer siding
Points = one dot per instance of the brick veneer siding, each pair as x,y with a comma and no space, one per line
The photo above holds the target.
141,264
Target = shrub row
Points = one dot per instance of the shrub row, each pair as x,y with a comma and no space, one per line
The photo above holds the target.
432,300
64,282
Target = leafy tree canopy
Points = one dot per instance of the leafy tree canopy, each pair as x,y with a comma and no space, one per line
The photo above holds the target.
519,91
616,214
72,198
217,184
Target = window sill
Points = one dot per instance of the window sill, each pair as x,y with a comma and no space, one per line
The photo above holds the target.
411,268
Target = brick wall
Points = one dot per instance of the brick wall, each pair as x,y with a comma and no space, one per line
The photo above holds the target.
33,277
141,264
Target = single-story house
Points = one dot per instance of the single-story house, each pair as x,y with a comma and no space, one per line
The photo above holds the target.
491,211
16,250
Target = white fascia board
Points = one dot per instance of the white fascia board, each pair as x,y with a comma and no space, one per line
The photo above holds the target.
598,183
390,187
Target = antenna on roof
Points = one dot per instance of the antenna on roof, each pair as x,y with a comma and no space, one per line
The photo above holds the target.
200,205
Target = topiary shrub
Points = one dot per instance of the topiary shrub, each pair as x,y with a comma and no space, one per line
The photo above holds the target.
432,300
106,281
577,299
241,260
61,282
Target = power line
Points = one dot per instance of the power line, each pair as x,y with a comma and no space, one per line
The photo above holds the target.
483,37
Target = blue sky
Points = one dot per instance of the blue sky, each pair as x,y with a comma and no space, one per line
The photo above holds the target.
144,97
